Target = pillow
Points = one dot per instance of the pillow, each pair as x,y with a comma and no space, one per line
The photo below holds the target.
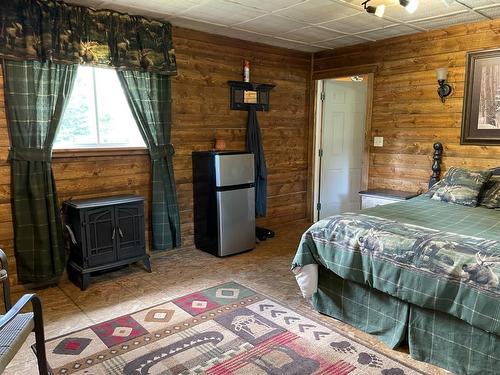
490,195
461,186
432,190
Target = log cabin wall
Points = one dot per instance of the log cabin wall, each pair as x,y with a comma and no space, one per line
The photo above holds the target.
201,113
407,111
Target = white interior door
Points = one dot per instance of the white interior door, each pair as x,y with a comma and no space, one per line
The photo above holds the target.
342,142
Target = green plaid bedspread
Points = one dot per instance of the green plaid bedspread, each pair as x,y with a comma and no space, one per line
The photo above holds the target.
432,336
431,254
448,342
360,306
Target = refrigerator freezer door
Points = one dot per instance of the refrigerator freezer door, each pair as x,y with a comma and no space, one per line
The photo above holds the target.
236,220
234,169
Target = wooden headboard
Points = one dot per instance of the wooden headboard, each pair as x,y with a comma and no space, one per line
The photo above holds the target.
436,164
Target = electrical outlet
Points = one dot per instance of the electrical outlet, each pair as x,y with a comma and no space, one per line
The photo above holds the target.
378,141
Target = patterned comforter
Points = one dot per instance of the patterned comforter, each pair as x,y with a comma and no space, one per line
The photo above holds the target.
432,254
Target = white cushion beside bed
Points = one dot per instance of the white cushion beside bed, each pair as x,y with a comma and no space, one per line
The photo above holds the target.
307,278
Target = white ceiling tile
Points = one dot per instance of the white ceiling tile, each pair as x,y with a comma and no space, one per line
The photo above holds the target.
154,7
287,44
161,6
304,48
445,21
493,12
222,12
306,25
317,11
268,5
271,23
426,9
238,34
357,23
480,3
388,32
192,24
312,34
341,42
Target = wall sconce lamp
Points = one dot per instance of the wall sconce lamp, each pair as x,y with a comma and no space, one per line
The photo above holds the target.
444,89
378,10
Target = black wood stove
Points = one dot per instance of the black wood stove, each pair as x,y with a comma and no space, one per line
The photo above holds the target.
104,233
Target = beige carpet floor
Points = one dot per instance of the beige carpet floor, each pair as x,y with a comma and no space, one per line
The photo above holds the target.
177,273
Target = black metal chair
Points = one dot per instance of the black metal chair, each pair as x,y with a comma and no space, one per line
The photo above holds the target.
16,326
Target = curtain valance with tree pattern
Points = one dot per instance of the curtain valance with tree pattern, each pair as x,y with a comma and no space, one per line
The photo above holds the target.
69,34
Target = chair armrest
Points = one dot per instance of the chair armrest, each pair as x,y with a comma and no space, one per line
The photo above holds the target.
3,259
16,309
4,279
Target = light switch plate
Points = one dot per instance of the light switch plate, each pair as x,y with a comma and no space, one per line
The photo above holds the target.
378,141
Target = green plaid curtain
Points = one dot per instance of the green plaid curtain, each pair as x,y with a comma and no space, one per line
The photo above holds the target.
35,93
149,97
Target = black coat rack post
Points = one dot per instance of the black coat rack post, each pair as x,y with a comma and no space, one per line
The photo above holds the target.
246,96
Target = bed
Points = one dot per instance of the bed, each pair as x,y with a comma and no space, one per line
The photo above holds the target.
421,271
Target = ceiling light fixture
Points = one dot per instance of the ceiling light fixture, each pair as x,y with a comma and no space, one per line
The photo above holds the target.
410,5
378,10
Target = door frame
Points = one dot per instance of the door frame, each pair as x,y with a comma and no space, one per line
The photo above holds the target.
316,118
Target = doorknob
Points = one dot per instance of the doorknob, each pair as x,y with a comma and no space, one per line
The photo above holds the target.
120,232
113,236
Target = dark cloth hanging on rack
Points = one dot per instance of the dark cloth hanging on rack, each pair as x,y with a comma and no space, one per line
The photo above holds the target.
254,144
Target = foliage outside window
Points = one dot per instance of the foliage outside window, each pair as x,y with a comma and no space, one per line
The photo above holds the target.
97,114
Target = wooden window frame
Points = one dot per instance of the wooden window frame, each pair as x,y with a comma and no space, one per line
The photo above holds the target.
92,152
98,149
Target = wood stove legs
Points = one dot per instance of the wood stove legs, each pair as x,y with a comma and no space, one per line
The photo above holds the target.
81,276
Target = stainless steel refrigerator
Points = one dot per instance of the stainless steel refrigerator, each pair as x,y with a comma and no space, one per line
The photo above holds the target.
224,201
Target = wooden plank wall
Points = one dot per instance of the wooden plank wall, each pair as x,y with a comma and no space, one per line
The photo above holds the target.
406,109
200,114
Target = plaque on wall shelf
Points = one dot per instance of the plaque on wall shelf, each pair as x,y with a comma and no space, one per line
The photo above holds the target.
246,94
250,97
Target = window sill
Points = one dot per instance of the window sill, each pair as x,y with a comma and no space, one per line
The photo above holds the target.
92,152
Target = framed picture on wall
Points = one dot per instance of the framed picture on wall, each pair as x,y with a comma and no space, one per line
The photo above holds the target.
481,113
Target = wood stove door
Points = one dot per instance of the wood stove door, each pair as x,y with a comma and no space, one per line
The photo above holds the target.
100,236
130,230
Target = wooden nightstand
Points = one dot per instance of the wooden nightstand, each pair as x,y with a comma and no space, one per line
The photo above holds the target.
379,197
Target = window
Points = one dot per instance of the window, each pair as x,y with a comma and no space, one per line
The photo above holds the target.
97,114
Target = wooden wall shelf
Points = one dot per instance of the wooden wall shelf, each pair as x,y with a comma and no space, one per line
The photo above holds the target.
246,94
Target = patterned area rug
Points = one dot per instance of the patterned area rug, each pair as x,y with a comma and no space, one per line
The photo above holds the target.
226,329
